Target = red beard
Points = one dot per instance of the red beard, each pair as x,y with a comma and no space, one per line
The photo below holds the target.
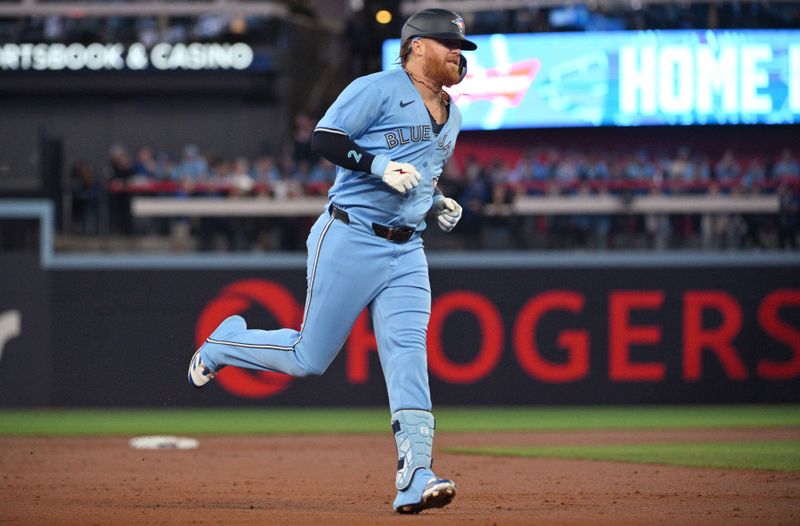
440,72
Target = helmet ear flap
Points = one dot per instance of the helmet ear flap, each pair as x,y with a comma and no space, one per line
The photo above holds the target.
462,68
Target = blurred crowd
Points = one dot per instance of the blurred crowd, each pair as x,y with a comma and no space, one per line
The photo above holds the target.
549,170
627,173
616,16
572,16
363,37
269,30
147,30
101,196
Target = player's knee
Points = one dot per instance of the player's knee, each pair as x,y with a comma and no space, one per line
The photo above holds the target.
306,370
315,371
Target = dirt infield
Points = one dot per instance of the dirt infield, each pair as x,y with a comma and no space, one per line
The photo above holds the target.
332,480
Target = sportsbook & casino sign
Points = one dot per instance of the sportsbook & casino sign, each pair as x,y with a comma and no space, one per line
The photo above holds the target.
115,56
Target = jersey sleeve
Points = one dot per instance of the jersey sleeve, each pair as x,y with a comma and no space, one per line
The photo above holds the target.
356,108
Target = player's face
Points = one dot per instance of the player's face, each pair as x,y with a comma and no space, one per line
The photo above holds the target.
442,58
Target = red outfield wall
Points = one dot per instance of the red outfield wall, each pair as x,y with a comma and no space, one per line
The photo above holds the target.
496,336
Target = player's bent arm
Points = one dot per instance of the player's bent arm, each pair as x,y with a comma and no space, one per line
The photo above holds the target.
437,196
447,211
339,149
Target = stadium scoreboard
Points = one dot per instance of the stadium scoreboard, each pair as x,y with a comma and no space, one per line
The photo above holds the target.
628,78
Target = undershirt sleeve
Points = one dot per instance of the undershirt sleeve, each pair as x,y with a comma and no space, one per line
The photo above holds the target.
339,149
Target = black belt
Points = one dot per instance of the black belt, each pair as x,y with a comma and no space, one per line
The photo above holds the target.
396,234
338,213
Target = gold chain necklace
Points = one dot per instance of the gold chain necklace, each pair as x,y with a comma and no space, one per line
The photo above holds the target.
443,96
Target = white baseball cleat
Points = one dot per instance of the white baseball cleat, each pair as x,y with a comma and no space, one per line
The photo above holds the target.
199,373
438,493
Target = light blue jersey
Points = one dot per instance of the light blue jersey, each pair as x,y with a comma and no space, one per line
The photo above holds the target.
385,115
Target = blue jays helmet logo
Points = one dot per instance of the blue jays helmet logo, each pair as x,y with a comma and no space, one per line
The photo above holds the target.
460,23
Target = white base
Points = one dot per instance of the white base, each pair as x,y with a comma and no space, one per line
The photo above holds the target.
163,442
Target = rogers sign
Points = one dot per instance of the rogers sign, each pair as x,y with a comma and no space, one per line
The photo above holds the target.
622,312
235,299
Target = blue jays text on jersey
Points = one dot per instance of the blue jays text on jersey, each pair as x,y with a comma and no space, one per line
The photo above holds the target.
400,136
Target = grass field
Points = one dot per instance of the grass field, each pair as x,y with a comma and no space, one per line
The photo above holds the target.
781,455
95,422
778,455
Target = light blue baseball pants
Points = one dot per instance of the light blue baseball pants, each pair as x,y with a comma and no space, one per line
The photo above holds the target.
349,268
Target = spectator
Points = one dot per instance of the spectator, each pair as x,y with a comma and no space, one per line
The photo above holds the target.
476,193
239,178
522,172
86,195
501,228
219,171
544,164
700,172
787,168
680,168
265,173
287,187
321,178
639,170
145,166
121,166
302,172
788,211
727,170
755,176
165,166
498,173
301,139
193,167
567,171
121,163
596,169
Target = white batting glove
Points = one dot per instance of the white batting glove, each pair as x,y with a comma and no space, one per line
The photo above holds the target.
401,176
448,213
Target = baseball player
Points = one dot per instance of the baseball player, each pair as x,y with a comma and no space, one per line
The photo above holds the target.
390,135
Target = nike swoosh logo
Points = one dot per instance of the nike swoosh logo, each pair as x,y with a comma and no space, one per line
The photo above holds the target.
354,155
403,103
